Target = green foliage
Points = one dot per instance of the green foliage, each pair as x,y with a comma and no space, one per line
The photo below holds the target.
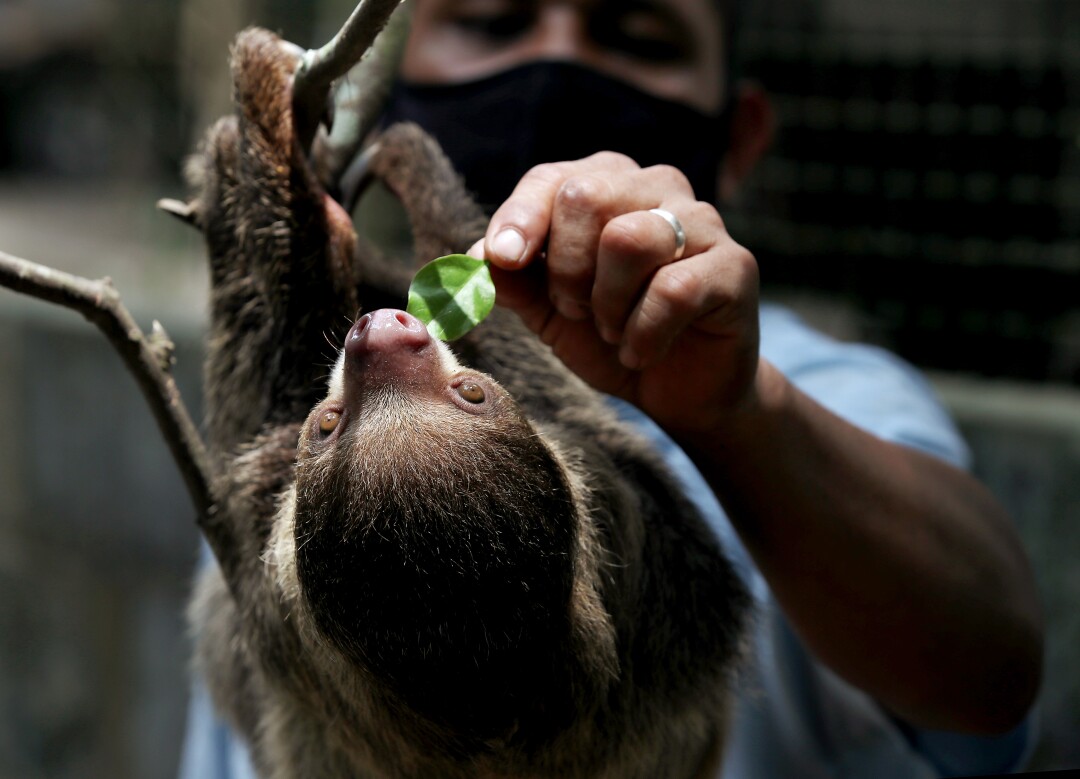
452,295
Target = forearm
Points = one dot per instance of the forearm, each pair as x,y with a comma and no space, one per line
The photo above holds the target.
899,571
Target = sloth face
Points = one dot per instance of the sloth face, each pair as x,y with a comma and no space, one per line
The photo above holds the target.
434,529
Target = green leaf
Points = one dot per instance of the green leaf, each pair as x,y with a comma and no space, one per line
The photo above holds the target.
452,295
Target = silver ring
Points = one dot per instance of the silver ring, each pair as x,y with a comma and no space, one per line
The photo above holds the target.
676,225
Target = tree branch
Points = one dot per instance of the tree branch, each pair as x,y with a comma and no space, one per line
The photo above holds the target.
148,359
358,102
320,67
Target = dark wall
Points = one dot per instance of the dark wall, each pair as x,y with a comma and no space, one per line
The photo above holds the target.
927,172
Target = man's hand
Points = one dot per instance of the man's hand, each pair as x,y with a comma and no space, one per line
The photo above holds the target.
578,256
899,571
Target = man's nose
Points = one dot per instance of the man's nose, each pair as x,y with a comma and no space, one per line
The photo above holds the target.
562,33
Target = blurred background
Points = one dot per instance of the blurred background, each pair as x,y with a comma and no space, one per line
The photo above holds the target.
924,195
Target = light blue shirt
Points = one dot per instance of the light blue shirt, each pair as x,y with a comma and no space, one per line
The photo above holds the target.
794,719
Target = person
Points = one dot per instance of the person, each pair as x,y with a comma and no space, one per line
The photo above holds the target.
898,630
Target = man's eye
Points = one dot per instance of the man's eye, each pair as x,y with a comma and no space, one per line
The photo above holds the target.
651,49
641,35
496,26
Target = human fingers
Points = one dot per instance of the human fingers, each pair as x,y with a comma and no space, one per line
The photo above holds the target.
714,292
585,205
521,226
634,246
581,207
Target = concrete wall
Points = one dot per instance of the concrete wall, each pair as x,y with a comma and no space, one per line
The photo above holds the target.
97,545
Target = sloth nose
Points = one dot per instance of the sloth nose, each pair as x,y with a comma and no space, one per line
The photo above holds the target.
385,330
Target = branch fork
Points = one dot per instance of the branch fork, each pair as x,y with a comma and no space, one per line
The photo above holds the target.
150,358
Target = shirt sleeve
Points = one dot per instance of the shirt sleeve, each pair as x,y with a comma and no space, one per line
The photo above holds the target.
211,750
867,386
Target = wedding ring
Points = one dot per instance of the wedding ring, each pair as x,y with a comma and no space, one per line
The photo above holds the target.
676,225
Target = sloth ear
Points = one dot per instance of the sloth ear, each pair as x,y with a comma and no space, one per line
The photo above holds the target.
753,125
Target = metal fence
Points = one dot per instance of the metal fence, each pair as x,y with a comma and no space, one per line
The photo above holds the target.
927,172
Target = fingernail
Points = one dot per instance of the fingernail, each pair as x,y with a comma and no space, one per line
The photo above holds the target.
509,245
477,250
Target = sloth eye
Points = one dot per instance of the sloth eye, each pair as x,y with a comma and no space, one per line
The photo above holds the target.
328,422
471,391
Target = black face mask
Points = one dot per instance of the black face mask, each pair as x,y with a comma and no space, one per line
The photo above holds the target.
497,128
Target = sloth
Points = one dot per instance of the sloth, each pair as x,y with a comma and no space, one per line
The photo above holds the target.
438,562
